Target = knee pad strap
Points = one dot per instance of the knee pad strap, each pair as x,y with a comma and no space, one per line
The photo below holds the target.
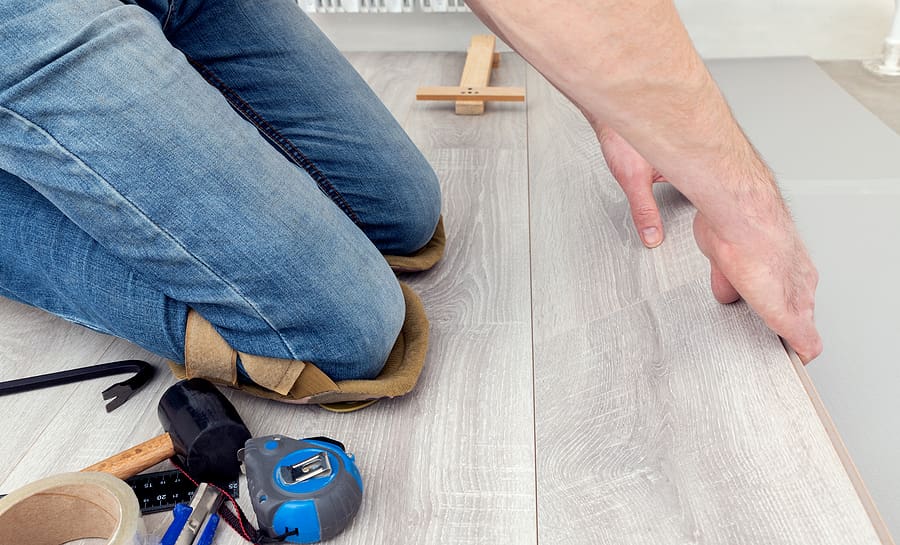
209,356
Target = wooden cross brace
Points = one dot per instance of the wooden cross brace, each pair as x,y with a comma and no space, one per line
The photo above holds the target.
474,90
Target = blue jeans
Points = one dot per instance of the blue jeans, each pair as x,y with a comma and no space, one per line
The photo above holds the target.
215,155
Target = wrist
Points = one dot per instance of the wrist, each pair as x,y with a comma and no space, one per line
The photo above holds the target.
743,202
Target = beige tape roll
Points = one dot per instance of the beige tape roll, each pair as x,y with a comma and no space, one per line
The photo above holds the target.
72,506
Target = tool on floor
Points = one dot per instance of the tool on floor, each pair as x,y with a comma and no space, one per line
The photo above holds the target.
119,393
204,432
195,524
70,507
473,89
302,491
163,490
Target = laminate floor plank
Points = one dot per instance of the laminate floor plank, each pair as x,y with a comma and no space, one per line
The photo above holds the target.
580,248
660,415
578,388
453,462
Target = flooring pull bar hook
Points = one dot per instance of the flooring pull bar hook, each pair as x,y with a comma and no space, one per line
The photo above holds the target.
117,394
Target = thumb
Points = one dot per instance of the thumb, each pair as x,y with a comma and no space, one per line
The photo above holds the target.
644,213
721,286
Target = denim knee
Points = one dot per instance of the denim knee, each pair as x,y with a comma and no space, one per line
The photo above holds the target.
369,329
415,208
353,325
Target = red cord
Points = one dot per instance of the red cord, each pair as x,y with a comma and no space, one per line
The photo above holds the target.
243,531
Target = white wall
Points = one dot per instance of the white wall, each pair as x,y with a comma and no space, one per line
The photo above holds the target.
823,29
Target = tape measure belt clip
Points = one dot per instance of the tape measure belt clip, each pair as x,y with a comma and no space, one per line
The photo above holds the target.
317,465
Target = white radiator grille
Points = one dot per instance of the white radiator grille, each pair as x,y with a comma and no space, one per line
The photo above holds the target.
381,6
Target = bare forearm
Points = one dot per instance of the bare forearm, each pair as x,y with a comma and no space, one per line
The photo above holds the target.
631,66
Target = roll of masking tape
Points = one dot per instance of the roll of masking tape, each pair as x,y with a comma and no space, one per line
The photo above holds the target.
72,506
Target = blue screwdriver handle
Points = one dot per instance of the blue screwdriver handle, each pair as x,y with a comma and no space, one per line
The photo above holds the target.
181,513
209,531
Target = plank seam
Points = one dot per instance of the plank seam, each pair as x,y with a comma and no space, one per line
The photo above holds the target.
537,532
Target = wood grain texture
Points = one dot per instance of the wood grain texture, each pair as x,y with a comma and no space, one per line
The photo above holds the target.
136,459
497,94
476,72
503,131
453,462
881,528
644,413
661,416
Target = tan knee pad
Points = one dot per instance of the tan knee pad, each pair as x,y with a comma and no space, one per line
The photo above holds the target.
208,355
425,258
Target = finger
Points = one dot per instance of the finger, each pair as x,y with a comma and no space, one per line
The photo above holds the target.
802,335
812,352
722,289
645,213
806,343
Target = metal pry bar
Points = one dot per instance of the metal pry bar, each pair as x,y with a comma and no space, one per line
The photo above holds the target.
118,393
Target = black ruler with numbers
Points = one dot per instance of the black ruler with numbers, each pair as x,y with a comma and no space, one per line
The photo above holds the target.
160,491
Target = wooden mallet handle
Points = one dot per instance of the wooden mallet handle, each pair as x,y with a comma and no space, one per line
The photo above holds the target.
130,462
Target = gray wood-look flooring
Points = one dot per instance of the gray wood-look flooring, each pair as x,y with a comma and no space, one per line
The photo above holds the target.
661,416
578,388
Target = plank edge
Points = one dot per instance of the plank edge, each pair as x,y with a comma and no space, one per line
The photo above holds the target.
868,503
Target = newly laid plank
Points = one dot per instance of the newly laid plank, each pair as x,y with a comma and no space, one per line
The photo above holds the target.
856,479
856,315
793,110
661,416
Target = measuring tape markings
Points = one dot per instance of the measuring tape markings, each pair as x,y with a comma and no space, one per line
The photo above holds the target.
160,491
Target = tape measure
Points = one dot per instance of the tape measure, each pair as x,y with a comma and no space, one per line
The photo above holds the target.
162,490
302,491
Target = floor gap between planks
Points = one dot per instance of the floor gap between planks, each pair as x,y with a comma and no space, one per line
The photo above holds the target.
563,400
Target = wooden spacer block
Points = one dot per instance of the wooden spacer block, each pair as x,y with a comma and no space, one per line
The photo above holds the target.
477,72
499,94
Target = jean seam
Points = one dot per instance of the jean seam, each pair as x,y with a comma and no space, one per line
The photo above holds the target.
96,175
168,18
281,142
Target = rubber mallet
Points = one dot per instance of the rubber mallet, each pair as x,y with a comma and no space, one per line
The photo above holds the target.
203,429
